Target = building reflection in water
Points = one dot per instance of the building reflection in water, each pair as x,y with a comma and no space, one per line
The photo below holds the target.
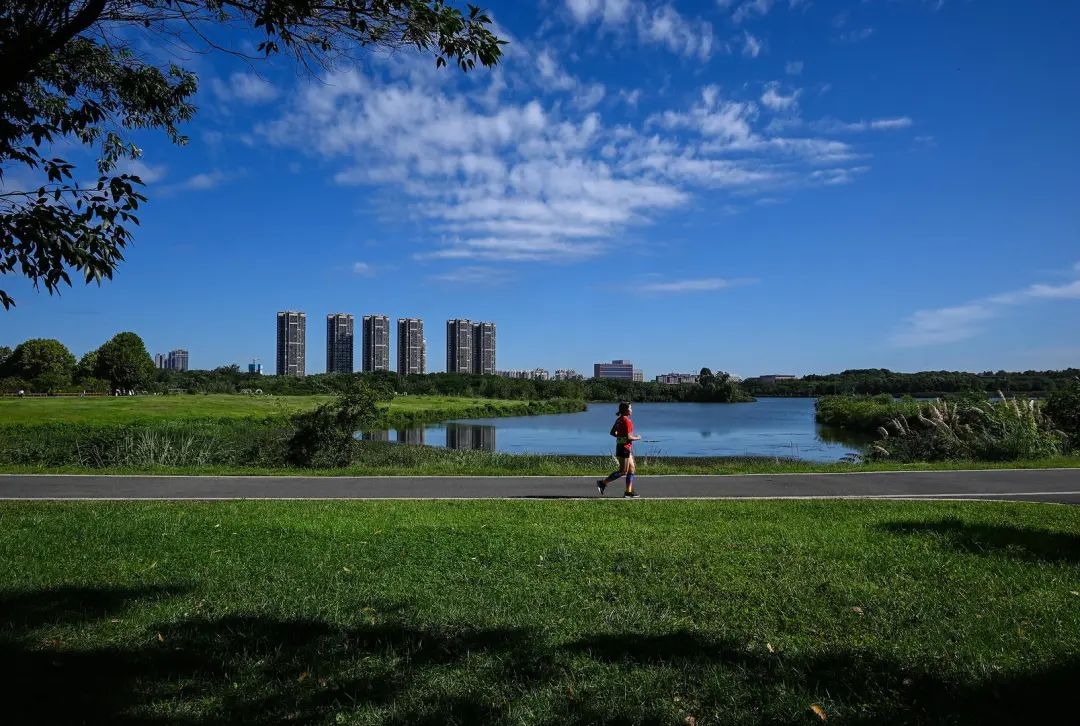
470,436
376,436
413,436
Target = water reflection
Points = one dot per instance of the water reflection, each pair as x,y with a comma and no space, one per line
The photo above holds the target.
837,435
470,436
375,436
411,436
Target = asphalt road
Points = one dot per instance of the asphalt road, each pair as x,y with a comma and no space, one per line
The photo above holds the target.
1039,485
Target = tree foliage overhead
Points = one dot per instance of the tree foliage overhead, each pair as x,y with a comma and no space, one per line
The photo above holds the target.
68,75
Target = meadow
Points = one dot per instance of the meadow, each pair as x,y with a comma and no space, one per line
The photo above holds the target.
539,612
131,409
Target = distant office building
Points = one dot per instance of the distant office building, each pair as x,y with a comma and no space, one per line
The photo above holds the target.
339,343
178,360
677,379
291,343
410,346
376,343
567,374
161,360
255,367
483,348
622,370
459,346
775,377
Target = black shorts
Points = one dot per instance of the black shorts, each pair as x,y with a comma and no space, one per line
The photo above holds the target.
622,451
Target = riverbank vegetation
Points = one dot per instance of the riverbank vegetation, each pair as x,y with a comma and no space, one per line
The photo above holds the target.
502,612
964,427
925,384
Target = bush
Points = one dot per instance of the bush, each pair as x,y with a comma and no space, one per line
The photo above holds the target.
864,413
1006,430
326,437
1063,407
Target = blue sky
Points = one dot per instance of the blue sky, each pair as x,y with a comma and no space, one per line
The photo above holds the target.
756,186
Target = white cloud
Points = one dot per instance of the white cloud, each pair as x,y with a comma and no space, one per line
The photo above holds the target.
855,36
205,180
149,173
630,97
363,269
537,179
243,87
773,99
960,322
794,68
663,25
693,285
750,9
752,46
879,124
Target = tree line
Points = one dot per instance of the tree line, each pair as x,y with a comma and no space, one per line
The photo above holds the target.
872,381
47,366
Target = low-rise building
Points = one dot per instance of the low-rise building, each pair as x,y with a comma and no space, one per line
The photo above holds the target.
622,370
677,379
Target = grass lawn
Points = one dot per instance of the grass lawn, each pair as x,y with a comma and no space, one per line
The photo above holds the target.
150,408
539,612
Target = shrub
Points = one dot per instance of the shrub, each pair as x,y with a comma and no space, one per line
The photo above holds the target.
326,436
1006,430
1063,406
863,413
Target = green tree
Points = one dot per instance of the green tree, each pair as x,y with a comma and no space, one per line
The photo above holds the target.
5,353
69,72
40,358
124,362
87,367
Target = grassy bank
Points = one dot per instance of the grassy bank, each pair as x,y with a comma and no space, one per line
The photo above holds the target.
539,612
142,409
863,414
388,459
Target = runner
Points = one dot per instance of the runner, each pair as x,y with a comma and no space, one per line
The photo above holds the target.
623,431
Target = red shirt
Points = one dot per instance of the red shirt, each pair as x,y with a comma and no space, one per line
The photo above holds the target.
624,429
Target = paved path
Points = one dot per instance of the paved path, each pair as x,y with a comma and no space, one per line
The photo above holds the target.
1042,485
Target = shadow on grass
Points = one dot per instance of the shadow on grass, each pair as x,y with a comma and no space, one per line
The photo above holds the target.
261,670
988,539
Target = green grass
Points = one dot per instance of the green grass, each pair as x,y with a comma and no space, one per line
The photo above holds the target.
389,459
156,408
539,612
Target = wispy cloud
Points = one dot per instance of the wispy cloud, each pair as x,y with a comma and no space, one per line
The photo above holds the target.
775,100
245,88
473,275
960,322
794,68
750,9
661,25
363,269
700,284
752,46
832,126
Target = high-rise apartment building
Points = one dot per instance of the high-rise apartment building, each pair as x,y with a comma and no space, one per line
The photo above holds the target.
291,343
410,346
459,346
376,343
622,370
483,348
339,343
423,355
178,360
175,360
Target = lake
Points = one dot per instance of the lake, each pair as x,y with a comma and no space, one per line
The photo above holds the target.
782,427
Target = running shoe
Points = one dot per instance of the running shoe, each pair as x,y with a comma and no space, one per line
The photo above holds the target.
630,495
601,485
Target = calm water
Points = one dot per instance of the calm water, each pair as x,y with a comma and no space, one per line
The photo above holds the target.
767,427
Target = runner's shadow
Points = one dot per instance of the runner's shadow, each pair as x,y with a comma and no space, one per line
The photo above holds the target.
1025,543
